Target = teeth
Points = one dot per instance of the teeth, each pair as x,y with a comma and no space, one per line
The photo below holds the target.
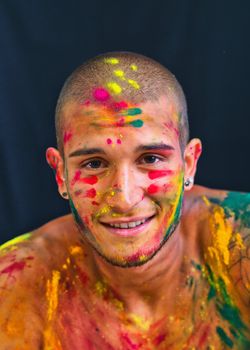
129,224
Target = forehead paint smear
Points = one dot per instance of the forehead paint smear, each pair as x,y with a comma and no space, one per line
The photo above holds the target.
101,94
67,136
114,87
111,60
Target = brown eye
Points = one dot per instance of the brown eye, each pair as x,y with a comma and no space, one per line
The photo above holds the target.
150,159
94,164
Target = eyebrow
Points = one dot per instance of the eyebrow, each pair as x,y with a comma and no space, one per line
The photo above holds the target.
140,148
155,146
86,151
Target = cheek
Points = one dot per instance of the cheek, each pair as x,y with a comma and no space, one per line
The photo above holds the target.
161,181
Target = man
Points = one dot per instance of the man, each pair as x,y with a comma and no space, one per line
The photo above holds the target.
146,260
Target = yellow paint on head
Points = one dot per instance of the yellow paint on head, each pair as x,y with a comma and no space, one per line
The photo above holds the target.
120,74
134,84
114,87
134,67
15,241
111,60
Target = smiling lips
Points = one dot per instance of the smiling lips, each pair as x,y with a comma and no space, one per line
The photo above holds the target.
127,224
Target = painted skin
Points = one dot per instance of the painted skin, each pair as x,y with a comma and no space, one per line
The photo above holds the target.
58,293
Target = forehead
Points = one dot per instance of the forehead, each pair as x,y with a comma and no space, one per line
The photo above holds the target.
142,120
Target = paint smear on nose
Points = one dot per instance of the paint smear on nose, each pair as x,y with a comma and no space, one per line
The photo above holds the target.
155,174
101,94
67,136
152,189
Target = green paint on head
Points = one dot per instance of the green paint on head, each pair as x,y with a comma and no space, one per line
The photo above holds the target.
138,123
224,337
132,111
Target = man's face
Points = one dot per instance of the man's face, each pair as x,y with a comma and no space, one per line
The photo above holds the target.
124,173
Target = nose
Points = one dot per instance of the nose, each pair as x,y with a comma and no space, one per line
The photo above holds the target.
125,191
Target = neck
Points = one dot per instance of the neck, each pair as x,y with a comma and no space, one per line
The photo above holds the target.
143,287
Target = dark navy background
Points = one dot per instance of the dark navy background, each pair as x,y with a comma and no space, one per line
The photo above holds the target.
204,43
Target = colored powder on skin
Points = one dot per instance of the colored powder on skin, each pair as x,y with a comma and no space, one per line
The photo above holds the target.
67,136
75,250
91,180
224,337
84,278
140,322
120,74
52,294
138,123
91,193
159,339
15,266
120,123
15,241
114,87
94,203
50,340
101,94
118,141
154,174
109,141
152,189
76,177
77,193
111,60
134,84
118,106
134,67
59,180
132,111
132,346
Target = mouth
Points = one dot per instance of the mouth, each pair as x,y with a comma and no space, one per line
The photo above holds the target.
128,228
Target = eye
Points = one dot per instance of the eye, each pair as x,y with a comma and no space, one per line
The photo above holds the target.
150,159
94,164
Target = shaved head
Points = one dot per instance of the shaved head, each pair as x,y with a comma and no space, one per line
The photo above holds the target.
124,76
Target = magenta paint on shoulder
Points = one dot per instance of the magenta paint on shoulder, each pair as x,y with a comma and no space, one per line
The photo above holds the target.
15,266
155,174
118,141
125,337
109,141
152,189
67,136
101,94
159,339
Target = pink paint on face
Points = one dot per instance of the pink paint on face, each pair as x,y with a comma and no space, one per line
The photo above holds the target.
91,180
118,106
170,125
78,192
118,141
154,174
152,189
121,122
94,203
67,136
109,141
91,193
101,94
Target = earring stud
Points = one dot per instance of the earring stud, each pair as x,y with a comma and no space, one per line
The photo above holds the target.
189,181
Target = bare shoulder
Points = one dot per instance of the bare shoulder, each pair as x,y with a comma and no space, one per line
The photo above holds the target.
26,265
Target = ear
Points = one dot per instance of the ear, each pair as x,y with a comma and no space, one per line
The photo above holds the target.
55,161
191,155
